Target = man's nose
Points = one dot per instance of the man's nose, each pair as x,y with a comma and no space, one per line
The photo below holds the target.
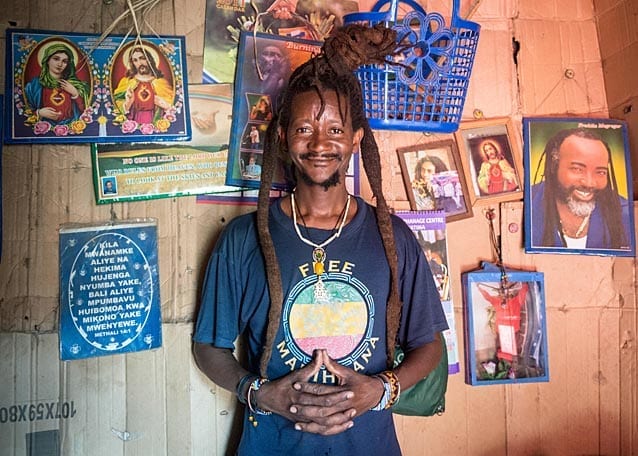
589,180
318,141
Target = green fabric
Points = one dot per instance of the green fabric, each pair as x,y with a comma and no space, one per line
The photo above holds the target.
427,397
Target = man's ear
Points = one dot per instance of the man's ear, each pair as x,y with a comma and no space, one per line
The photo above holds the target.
356,140
282,134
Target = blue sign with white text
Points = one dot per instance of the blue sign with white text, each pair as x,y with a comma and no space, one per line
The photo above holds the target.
109,290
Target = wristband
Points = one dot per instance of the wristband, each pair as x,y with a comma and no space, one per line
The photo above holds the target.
385,398
395,387
251,400
239,390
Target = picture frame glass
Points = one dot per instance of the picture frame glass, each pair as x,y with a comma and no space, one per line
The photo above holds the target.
578,192
491,159
432,179
508,331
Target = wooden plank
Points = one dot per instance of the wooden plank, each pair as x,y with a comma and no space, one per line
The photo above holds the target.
145,403
9,366
98,389
204,435
177,350
65,15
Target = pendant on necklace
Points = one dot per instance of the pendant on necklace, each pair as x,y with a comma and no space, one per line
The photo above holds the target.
319,257
320,291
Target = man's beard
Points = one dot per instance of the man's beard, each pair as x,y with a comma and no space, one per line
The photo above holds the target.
578,208
143,69
332,181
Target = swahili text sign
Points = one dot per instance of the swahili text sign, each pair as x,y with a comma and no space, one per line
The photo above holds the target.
109,290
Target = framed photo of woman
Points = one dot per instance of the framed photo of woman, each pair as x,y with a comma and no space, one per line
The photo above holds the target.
491,158
433,181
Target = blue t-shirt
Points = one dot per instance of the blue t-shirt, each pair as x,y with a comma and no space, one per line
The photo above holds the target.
350,323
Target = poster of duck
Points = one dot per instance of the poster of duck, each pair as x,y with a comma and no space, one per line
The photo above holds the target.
69,87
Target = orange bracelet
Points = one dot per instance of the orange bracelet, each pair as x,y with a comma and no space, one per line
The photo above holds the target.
395,387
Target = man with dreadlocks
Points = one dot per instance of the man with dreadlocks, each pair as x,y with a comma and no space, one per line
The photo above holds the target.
321,285
577,205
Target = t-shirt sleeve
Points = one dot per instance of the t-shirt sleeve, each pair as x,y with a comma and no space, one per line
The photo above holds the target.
228,297
422,316
215,322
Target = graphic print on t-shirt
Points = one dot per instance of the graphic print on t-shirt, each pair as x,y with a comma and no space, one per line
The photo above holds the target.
342,323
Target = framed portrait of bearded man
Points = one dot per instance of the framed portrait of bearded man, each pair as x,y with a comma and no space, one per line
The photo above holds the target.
578,193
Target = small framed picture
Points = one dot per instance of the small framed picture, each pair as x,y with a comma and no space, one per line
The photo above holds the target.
578,192
491,159
432,179
505,326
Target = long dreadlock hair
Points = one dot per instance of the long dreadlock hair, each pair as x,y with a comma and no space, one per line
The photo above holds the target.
607,198
333,69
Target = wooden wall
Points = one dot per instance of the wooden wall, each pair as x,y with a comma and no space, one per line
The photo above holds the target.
157,403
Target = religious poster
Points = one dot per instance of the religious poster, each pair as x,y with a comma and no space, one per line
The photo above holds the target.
578,186
109,289
429,227
72,87
505,326
264,67
161,170
226,19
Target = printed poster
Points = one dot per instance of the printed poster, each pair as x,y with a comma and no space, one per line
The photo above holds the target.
109,289
257,87
67,88
429,227
226,19
578,186
162,170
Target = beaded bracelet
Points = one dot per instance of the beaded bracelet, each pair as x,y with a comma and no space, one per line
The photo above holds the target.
395,387
385,398
254,408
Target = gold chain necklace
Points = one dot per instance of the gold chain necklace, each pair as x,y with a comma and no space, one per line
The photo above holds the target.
318,253
580,229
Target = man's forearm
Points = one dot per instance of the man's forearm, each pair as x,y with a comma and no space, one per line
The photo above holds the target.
419,362
219,364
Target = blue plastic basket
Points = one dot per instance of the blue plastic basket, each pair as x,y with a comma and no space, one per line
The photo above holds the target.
425,88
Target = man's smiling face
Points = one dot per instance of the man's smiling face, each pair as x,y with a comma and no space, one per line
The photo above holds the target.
320,147
582,172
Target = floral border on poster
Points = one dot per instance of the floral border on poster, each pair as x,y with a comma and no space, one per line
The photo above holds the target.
80,104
